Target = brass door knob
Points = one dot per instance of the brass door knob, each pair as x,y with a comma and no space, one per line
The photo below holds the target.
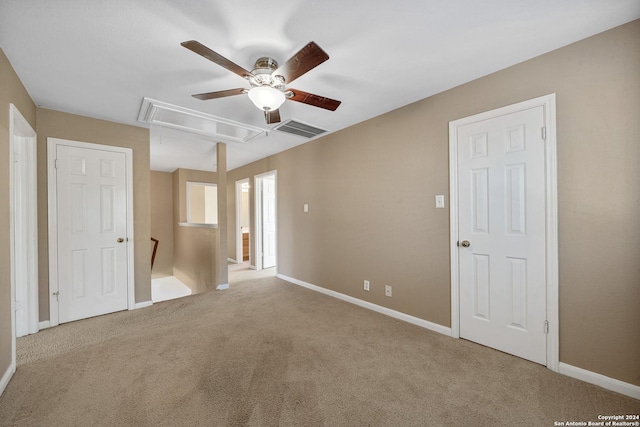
120,240
465,244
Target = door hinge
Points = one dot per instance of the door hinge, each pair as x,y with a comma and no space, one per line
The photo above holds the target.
55,163
546,326
544,133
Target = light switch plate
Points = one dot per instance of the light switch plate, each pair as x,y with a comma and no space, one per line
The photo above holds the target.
440,201
305,207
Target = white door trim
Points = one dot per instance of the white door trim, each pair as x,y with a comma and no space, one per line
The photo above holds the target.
258,215
239,254
22,137
548,102
52,145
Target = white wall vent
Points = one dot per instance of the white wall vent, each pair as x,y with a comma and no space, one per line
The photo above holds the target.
298,128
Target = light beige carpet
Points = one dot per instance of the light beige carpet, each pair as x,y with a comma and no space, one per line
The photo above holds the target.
269,353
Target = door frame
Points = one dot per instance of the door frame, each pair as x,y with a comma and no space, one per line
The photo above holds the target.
239,254
22,137
52,146
259,218
548,102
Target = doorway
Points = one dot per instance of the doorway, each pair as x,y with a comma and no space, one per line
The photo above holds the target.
23,225
91,229
243,222
266,219
504,280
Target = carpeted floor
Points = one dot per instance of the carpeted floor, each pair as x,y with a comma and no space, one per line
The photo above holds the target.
269,353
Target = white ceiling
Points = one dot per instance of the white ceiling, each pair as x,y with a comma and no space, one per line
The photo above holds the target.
101,58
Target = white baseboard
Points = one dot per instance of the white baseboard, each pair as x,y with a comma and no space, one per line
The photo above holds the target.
232,260
222,287
383,310
600,380
45,324
7,377
142,304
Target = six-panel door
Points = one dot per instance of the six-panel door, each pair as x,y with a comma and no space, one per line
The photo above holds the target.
502,215
92,250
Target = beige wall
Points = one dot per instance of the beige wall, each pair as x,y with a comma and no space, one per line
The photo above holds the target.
371,187
78,128
195,204
11,91
245,223
161,184
194,248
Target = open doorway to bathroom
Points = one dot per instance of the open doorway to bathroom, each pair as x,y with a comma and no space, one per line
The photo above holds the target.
243,225
265,220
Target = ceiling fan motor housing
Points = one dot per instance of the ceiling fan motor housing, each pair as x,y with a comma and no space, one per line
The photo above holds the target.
262,74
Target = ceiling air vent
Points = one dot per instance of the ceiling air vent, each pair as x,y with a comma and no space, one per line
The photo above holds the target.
299,128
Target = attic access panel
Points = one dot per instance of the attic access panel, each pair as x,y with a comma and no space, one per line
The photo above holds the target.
163,114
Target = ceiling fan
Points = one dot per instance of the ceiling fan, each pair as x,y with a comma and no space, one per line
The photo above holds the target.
268,80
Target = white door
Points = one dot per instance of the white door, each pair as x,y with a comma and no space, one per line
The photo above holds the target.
24,223
501,223
268,222
24,238
91,229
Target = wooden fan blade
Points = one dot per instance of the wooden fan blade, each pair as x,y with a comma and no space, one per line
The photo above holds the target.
219,94
306,59
204,51
272,116
315,100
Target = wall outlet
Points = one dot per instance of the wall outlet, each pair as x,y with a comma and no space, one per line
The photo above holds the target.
366,285
387,290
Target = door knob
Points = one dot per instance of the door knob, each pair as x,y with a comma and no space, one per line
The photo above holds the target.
120,240
465,244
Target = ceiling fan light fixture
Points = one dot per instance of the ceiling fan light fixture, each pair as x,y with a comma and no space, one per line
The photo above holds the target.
268,89
266,98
